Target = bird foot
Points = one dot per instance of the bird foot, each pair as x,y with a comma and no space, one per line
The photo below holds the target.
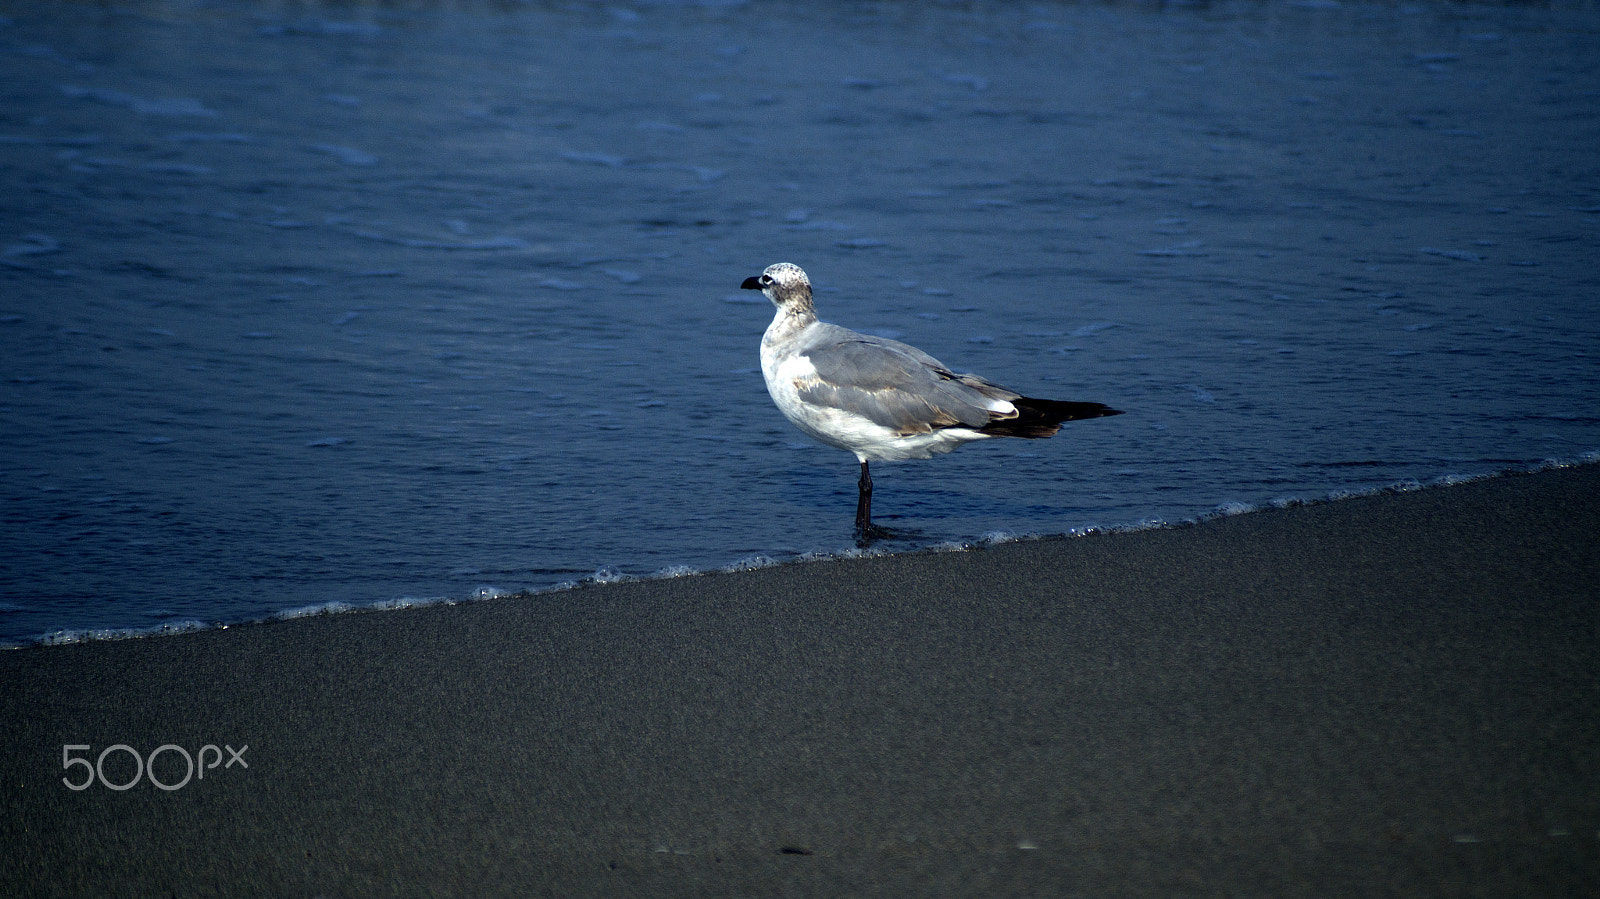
868,534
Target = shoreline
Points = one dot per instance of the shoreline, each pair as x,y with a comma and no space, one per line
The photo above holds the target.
73,636
1386,694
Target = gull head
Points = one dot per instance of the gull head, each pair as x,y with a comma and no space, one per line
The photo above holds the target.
785,284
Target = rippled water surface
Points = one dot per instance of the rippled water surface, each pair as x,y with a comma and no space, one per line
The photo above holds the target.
307,304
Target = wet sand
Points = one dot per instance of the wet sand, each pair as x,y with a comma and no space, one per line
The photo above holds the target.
1387,695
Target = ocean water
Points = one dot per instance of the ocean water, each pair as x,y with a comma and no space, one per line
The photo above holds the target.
308,306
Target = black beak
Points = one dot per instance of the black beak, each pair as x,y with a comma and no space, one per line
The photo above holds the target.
751,284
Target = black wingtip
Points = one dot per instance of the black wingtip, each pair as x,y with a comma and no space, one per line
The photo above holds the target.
1043,418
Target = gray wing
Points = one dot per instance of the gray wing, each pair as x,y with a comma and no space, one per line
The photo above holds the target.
895,385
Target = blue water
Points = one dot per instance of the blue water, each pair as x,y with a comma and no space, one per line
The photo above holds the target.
308,305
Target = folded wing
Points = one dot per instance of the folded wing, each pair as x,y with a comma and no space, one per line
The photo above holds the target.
898,386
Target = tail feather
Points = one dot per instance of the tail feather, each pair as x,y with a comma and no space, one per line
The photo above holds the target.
1043,418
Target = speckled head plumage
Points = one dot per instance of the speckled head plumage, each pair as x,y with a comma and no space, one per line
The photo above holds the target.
785,284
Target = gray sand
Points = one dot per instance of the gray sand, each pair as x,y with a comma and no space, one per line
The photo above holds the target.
1389,695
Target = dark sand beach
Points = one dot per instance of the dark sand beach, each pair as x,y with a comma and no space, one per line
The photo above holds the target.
1386,695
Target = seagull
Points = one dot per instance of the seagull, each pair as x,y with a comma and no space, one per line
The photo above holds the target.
881,399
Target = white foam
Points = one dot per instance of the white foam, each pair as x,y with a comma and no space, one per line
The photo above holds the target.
607,574
408,602
995,538
67,636
751,563
325,608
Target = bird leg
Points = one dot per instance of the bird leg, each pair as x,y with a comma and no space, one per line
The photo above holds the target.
864,501
866,531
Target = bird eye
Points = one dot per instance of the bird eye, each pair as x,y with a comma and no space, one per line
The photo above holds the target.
766,279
